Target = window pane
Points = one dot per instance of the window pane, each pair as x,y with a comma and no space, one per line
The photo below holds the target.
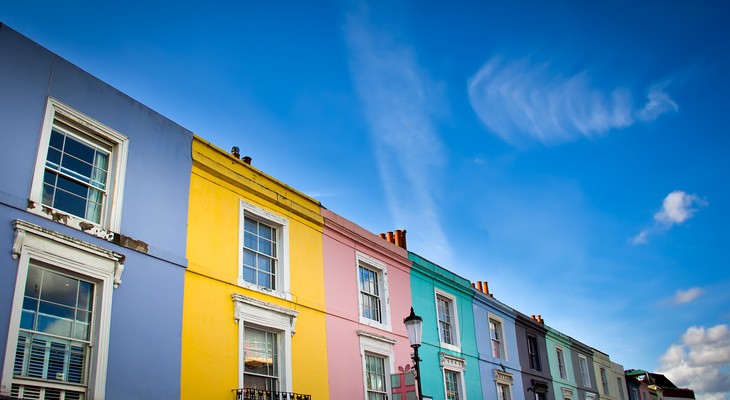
78,149
250,225
56,139
249,241
249,258
59,289
54,326
70,197
76,168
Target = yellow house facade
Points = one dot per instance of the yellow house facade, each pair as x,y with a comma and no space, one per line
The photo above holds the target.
254,314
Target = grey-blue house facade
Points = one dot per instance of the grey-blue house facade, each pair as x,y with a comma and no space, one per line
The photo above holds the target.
93,222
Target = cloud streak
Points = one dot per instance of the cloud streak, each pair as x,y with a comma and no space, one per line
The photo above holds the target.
687,296
677,208
521,102
400,100
700,361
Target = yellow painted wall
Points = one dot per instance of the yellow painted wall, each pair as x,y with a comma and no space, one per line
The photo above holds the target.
210,335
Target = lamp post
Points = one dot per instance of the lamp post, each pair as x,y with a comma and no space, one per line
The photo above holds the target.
414,325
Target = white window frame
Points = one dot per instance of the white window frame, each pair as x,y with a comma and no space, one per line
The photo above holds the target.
502,345
111,218
281,278
381,270
584,375
249,311
380,346
604,381
505,379
620,388
454,364
103,267
560,351
537,362
455,333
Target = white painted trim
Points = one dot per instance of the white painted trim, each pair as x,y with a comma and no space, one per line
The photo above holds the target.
382,271
567,392
583,368
378,346
36,244
558,359
455,364
258,313
281,224
502,343
455,331
111,219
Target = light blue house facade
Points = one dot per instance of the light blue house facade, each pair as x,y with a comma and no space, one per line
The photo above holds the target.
93,215
450,366
499,362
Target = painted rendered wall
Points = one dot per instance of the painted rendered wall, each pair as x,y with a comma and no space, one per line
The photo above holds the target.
525,325
579,349
341,240
210,342
602,360
553,339
146,325
425,277
484,308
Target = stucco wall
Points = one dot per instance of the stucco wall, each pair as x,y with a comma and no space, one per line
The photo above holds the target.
146,321
425,277
210,360
341,240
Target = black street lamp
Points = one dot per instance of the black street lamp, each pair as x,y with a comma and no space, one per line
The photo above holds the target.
414,326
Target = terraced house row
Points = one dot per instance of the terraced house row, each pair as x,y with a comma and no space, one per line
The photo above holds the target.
142,262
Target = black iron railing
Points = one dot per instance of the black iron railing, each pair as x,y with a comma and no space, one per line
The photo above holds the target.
260,394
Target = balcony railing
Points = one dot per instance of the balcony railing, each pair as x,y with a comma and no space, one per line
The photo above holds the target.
260,394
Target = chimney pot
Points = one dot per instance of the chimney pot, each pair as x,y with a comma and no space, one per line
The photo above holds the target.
247,160
391,239
382,236
236,152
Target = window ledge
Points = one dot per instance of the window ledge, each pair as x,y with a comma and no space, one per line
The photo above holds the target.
256,288
374,324
451,347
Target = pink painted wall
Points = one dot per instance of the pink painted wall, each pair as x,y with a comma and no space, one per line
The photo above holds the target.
341,239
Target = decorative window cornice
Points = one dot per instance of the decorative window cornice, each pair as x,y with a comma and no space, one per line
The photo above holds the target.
25,229
567,392
503,377
376,337
268,314
452,362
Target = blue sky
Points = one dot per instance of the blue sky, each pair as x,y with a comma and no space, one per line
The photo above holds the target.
572,154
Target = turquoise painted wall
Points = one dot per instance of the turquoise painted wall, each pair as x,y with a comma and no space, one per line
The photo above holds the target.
426,279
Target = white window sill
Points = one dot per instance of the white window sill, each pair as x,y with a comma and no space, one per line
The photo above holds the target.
374,324
69,220
451,347
250,286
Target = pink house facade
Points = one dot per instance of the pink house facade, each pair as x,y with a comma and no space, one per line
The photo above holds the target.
367,295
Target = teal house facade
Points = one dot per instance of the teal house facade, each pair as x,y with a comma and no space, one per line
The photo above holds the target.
450,363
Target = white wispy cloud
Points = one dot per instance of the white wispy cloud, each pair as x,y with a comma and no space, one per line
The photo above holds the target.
521,101
686,296
400,101
659,103
677,208
700,361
